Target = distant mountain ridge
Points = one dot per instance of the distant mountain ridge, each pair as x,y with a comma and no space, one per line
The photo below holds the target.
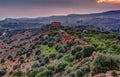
73,19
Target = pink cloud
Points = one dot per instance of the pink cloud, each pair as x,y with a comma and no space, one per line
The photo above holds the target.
108,1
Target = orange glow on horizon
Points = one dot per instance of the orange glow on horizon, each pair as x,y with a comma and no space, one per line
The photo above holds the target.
108,1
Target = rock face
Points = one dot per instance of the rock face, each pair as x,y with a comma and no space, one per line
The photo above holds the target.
55,23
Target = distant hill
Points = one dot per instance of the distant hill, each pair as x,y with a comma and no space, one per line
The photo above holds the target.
108,19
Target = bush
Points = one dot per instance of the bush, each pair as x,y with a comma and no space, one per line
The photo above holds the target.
52,56
58,39
33,72
2,72
50,44
105,62
21,52
45,73
72,75
38,52
46,60
60,55
114,74
88,50
36,65
10,57
60,48
83,68
76,49
82,71
78,55
44,42
68,70
16,66
61,66
21,59
51,67
17,74
28,54
69,58
2,61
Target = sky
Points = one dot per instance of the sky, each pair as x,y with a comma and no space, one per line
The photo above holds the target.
43,8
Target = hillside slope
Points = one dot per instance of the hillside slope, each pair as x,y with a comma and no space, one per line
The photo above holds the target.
59,51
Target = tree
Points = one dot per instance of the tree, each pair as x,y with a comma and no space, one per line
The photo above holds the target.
114,74
34,71
83,69
61,66
62,50
45,73
60,55
78,55
46,60
21,59
2,71
28,54
50,44
58,47
51,67
87,51
53,56
105,62
76,49
2,61
36,65
38,52
17,73
10,57
69,58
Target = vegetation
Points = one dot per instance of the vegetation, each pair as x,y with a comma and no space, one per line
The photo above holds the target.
2,71
62,51
105,62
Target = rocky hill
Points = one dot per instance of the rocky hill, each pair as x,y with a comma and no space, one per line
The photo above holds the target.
59,51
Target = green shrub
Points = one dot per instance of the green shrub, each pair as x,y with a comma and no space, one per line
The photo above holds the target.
87,51
78,55
2,71
105,62
51,67
114,74
33,72
52,56
76,49
36,65
38,52
69,58
10,57
50,44
61,66
21,59
82,70
60,55
28,54
45,73
17,74
60,48
2,61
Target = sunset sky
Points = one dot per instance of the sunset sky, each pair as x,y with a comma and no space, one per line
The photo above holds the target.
41,8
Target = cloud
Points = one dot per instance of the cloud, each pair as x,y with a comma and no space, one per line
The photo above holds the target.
108,1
